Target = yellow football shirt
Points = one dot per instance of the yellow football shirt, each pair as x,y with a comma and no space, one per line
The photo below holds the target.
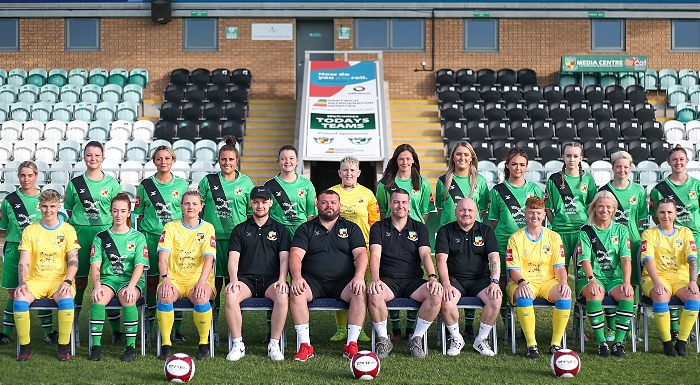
188,246
535,258
358,206
669,252
48,248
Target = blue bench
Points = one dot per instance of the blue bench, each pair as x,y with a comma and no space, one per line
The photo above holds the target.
114,304
259,304
401,304
50,304
184,304
471,303
675,303
538,303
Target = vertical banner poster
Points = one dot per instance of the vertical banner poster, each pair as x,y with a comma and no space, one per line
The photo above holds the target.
343,110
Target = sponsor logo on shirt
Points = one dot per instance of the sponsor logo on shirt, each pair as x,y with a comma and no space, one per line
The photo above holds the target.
633,200
644,246
413,236
212,242
272,236
343,232
162,237
629,244
614,239
238,190
199,238
92,251
175,193
579,249
130,246
145,252
138,201
678,244
478,241
561,251
509,255
693,247
432,199
546,196
104,193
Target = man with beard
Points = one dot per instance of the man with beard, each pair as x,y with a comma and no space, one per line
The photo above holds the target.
258,253
397,246
328,259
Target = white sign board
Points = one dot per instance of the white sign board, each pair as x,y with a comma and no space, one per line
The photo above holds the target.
272,32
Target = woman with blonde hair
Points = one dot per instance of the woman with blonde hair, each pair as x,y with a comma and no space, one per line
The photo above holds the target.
605,268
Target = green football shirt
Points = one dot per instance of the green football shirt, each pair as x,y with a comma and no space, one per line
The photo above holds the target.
301,205
606,265
97,214
421,200
633,200
226,215
132,252
569,216
9,221
154,218
447,204
510,219
689,194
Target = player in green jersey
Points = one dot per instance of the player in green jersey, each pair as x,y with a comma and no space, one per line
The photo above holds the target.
507,206
685,191
463,179
403,172
225,195
157,203
605,267
118,258
293,198
632,210
19,209
567,195
87,201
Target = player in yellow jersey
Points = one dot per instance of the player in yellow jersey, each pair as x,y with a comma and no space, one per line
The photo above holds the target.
186,254
48,262
536,264
669,256
358,205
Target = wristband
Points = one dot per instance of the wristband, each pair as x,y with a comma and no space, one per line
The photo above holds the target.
164,276
497,282
521,280
68,281
432,276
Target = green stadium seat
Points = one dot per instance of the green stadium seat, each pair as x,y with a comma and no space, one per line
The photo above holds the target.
687,77
17,77
206,151
3,76
118,76
58,77
4,112
98,130
676,95
49,93
78,77
41,111
650,80
685,112
155,144
69,151
133,93
37,76
567,78
139,76
106,111
98,76
184,150
136,150
112,93
628,79
91,93
70,93
608,79
8,93
84,112
28,93
667,78
20,112
694,94
589,79
63,112
127,111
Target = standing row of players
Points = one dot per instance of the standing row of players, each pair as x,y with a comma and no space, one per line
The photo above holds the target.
226,195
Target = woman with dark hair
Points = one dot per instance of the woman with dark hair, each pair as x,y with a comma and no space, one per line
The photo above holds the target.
225,195
403,172
157,203
87,201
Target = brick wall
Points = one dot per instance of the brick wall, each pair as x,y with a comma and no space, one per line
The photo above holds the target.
129,43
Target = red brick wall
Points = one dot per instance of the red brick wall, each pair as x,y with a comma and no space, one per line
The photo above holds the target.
129,43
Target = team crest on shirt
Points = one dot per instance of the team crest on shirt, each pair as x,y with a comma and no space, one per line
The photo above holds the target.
272,236
413,236
478,241
343,232
693,247
199,238
175,193
583,188
692,194
509,255
414,191
162,237
92,251
212,242
360,200
301,192
104,193
633,200
547,250
614,239
60,240
238,190
644,246
130,246
678,244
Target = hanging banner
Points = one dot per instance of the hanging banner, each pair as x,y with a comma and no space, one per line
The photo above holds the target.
603,64
342,110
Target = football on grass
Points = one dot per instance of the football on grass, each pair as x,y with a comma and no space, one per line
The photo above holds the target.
179,368
365,365
565,363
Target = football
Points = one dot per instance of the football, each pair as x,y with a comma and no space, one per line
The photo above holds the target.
565,363
179,368
365,365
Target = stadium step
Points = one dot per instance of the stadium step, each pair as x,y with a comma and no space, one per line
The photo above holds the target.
269,126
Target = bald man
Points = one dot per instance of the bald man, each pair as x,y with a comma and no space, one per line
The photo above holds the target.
469,266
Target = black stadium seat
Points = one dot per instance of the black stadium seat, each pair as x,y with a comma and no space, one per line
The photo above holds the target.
220,76
170,111
210,129
242,77
451,112
529,147
469,94
552,93
495,111
165,130
615,94
580,111
174,93
630,131
532,93
549,150
660,150
200,76
180,76
233,128
235,111
527,77
601,111
506,77
216,93
614,146
559,112
520,130
573,93
542,130
447,94
473,112
640,150
537,111
483,150
644,112
652,131
593,151
195,93
213,111
191,111
237,93
594,94
466,77
444,77
623,112
188,129
564,131
516,111
587,130
477,130
486,77
511,94
454,131
608,130
501,148
490,93
636,94
499,130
